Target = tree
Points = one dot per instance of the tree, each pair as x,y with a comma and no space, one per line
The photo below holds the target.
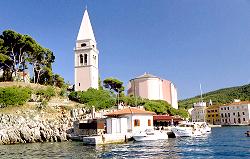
100,87
17,51
115,85
58,81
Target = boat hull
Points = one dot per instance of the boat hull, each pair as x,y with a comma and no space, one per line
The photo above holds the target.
156,135
179,132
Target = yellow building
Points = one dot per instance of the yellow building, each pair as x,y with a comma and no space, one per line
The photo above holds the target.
213,115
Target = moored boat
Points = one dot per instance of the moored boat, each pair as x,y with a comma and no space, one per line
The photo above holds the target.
191,129
150,135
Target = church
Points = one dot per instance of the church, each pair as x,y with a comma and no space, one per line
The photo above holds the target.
86,57
87,75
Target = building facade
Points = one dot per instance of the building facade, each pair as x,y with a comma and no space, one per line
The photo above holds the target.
86,57
198,114
236,113
154,88
213,115
131,119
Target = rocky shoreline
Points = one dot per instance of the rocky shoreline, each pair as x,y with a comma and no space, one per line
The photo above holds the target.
20,129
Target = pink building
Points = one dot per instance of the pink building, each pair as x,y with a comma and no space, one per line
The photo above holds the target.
154,88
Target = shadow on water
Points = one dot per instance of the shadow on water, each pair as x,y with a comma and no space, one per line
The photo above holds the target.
225,142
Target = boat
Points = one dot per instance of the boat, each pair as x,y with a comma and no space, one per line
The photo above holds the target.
248,133
191,129
150,135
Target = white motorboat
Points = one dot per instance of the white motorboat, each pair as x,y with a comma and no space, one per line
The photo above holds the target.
191,129
183,130
150,135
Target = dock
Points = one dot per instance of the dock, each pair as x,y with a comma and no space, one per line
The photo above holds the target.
107,139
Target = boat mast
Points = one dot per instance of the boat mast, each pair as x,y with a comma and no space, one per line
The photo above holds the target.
203,110
201,94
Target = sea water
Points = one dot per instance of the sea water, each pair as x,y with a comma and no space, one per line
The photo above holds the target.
225,142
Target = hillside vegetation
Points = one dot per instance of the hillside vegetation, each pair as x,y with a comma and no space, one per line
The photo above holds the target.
221,96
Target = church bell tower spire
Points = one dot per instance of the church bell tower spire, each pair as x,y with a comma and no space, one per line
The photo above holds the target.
86,57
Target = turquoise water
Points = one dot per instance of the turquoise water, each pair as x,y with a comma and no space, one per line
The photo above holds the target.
226,142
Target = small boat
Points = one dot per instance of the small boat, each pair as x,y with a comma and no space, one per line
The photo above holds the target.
191,129
183,130
248,133
150,135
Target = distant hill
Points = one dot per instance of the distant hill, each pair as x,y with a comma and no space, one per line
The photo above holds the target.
221,96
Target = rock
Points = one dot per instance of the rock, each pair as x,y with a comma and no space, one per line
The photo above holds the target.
30,128
13,138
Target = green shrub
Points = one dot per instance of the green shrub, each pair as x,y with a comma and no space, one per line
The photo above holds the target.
101,99
13,96
46,93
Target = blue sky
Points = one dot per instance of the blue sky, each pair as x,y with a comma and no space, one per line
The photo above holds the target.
186,41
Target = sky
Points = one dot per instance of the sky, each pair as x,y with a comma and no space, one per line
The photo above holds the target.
189,42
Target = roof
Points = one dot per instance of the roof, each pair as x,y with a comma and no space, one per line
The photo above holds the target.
86,31
237,103
147,75
165,117
129,110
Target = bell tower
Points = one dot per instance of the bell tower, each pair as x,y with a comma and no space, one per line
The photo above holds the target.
86,57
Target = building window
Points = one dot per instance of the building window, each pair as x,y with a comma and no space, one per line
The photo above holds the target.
136,122
228,114
208,115
234,121
217,115
208,111
221,115
81,59
221,108
234,114
225,115
238,114
244,119
149,122
243,113
215,110
85,59
83,44
79,84
239,120
227,108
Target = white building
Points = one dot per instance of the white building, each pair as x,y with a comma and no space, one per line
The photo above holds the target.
86,57
198,113
154,88
129,120
236,113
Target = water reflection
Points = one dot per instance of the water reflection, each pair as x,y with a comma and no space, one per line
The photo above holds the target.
227,142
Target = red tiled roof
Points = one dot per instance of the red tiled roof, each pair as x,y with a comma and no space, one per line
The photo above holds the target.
165,117
129,110
237,103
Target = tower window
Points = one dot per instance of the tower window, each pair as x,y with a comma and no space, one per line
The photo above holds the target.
79,84
81,59
83,44
85,59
